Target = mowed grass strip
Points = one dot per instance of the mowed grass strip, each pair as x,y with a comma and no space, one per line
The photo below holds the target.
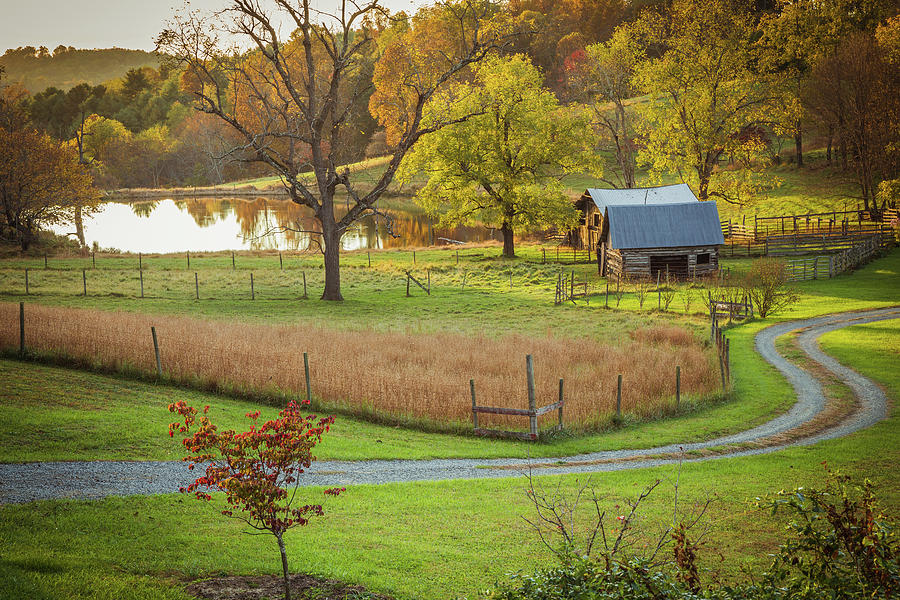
407,377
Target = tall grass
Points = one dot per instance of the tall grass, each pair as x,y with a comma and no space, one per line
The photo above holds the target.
402,377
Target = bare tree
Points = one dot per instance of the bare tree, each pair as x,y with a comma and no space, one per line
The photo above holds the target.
292,97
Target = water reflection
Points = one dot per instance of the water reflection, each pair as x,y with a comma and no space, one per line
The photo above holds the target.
211,224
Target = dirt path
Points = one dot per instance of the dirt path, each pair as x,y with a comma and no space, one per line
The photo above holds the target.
89,480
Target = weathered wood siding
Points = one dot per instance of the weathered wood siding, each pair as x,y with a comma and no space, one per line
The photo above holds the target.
636,262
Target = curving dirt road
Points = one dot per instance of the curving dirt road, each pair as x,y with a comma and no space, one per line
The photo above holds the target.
90,480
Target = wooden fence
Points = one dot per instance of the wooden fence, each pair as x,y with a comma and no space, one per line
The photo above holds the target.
812,241
567,289
820,267
723,351
532,412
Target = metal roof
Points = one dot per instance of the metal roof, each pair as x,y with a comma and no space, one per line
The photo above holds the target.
666,194
664,225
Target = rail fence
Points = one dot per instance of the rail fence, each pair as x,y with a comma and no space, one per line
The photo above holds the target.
820,267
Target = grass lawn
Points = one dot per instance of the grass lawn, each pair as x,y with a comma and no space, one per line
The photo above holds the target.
426,540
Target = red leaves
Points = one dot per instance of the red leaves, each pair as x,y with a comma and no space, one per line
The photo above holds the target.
254,467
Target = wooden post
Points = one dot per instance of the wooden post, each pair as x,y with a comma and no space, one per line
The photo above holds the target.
560,404
407,285
606,297
84,280
26,281
140,262
93,259
304,285
728,359
281,261
188,260
22,328
414,257
529,368
572,285
196,286
474,414
45,262
252,291
156,351
232,261
141,273
369,255
722,369
457,257
306,371
677,386
619,398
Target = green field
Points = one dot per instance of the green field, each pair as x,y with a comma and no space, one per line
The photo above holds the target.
419,540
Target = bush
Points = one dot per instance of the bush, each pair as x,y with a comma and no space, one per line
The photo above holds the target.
766,286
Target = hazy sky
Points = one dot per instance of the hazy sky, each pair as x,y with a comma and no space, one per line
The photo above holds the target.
104,23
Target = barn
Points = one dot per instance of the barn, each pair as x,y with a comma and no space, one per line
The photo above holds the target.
640,240
593,205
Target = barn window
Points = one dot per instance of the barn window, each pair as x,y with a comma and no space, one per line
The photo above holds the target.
703,259
596,219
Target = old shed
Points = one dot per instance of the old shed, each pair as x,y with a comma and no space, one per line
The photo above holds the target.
593,203
639,240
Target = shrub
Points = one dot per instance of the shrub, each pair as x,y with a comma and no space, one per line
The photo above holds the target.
766,286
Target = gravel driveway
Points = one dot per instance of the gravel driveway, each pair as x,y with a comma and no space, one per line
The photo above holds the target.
89,480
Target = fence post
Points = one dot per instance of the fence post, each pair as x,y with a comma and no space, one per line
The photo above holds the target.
45,262
728,359
414,257
196,286
156,351
232,261
141,273
93,259
474,414
252,290
721,366
140,262
606,297
26,281
280,261
84,280
22,328
529,369
407,285
619,398
369,255
304,285
306,371
677,386
560,403
188,254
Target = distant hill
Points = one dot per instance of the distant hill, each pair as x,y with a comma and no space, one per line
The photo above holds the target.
38,69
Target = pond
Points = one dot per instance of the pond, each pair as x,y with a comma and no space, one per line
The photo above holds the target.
212,224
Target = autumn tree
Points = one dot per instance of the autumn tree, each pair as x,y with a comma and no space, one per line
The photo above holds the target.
258,470
708,99
41,184
604,72
295,95
502,166
854,90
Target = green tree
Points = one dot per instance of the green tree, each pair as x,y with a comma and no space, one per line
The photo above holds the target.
708,99
503,165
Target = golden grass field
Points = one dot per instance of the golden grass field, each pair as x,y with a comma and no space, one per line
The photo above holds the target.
403,376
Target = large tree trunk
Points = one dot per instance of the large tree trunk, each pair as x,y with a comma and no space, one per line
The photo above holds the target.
79,226
284,567
509,249
331,239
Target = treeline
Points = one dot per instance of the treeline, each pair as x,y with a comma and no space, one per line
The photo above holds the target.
38,68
